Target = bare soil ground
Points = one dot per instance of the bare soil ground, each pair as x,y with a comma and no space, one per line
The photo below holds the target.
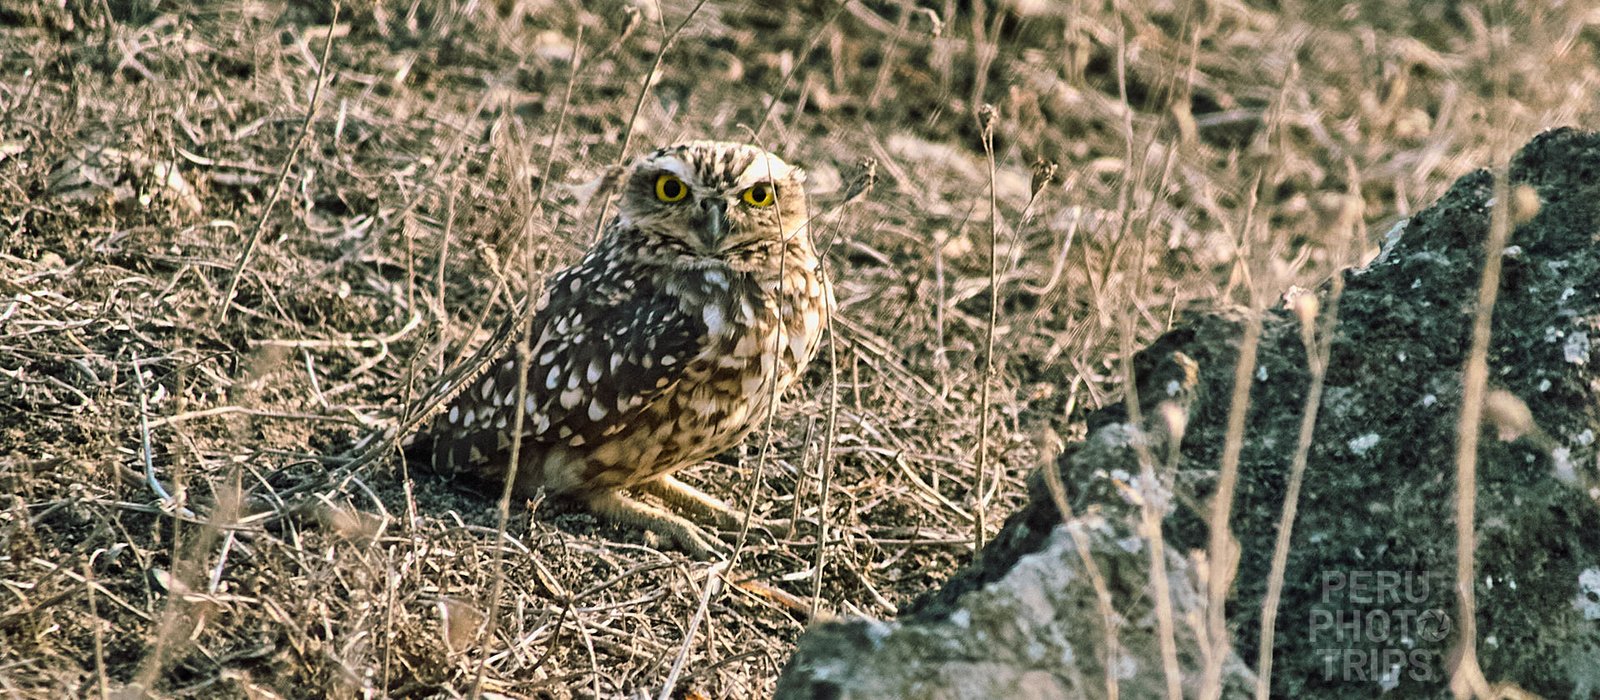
173,515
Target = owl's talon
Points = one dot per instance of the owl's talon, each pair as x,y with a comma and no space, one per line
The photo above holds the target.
622,509
686,498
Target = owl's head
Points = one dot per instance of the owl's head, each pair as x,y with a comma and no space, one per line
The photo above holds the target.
714,199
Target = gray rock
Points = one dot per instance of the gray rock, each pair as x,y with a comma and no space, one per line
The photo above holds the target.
1368,605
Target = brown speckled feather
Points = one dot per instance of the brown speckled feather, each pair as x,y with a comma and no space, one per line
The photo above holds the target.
606,343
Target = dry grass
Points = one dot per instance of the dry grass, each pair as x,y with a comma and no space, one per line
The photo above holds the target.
453,142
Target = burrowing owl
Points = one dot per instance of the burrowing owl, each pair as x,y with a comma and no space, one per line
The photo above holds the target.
663,347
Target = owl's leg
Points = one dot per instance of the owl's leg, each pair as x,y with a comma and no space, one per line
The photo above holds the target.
624,510
688,498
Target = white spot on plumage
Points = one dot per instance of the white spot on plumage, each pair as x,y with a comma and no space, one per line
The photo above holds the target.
596,411
717,278
487,389
466,422
455,414
569,398
552,381
716,324
797,346
594,371
529,405
677,167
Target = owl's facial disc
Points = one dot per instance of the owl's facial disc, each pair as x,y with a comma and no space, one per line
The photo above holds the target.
715,198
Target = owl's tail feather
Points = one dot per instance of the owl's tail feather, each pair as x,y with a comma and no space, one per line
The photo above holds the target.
399,432
417,445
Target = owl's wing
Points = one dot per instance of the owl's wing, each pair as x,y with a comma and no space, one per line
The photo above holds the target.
603,347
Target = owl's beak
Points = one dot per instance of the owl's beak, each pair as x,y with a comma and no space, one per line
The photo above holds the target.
713,222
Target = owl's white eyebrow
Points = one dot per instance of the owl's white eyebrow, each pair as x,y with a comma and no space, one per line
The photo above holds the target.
676,167
765,168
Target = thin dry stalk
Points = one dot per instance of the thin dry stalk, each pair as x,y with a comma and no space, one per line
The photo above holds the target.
1152,507
1152,502
986,119
817,34
250,243
638,106
1151,511
825,463
561,122
503,512
831,426
1102,592
1318,351
885,69
1467,680
1221,549
713,586
101,682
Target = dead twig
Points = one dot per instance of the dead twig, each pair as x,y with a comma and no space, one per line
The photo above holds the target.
250,243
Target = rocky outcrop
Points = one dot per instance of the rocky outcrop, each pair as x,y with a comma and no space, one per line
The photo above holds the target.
1369,602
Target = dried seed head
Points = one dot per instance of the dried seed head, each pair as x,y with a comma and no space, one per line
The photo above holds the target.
1306,307
1524,204
930,18
865,178
1175,419
632,17
1044,173
986,118
1509,414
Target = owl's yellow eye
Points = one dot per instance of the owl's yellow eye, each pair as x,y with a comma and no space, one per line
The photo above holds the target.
759,195
670,189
